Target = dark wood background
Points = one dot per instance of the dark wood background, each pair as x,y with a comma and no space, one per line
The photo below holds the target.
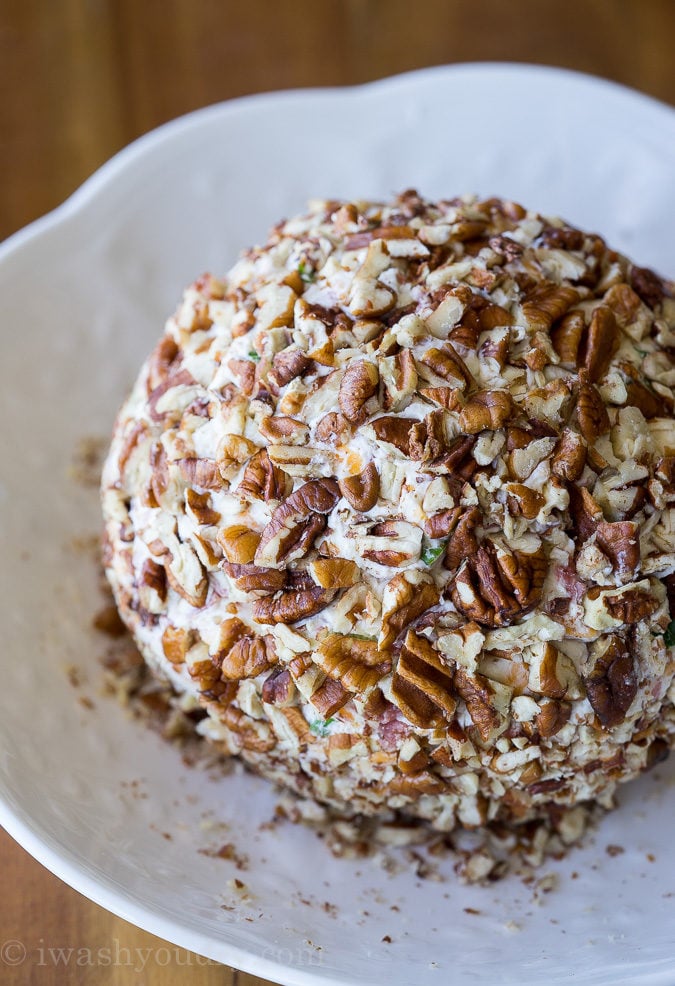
79,79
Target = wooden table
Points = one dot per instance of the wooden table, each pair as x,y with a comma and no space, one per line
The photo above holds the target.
82,78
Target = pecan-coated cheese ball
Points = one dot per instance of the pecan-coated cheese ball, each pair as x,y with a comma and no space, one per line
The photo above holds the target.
394,503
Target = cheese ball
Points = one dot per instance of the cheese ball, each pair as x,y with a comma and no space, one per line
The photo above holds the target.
393,503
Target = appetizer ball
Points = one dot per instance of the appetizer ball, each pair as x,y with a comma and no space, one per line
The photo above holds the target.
393,503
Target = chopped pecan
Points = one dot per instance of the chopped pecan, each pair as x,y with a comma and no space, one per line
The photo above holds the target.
251,734
522,501
567,335
611,686
585,513
186,574
475,690
552,718
361,491
591,411
428,438
405,598
448,397
651,404
562,238
648,285
428,679
153,586
248,657
442,524
330,697
198,506
569,456
624,302
279,689
262,480
486,409
330,427
369,296
446,366
292,605
239,543
358,385
176,642
399,380
252,578
620,542
244,372
283,429
357,664
392,543
395,431
506,247
416,785
161,362
631,606
601,342
463,542
335,573
546,303
297,522
286,366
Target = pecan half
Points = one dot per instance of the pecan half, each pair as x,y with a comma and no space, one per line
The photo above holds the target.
612,684
601,342
361,491
239,543
248,657
292,605
358,385
569,456
567,335
486,409
463,542
357,664
547,303
422,685
620,542
252,578
296,523
591,411
262,480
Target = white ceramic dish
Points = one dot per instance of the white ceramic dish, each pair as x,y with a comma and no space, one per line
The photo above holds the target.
84,295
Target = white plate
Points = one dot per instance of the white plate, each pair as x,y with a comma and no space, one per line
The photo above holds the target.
84,295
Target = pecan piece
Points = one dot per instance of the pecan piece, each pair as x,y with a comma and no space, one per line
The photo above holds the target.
330,697
286,366
198,506
262,480
619,541
497,585
591,411
447,367
631,606
442,524
252,578
358,385
239,543
281,429
361,491
203,473
161,362
651,404
486,409
399,380
546,303
567,335
405,598
474,689
569,456
292,605
611,686
601,342
423,670
176,642
428,438
248,657
357,664
395,431
297,522
647,285
335,573
552,718
463,542
279,689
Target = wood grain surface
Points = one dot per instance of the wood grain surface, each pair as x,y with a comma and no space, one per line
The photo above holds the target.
79,79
